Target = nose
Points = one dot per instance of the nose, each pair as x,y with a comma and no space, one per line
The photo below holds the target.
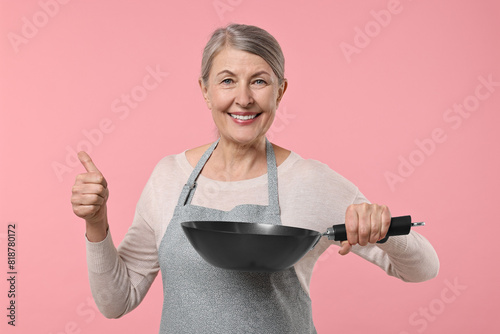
244,96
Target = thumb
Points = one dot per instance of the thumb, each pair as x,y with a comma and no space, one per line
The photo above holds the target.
87,162
345,247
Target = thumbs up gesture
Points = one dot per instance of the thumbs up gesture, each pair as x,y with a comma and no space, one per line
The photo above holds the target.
89,196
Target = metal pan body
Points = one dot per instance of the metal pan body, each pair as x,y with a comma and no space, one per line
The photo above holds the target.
249,246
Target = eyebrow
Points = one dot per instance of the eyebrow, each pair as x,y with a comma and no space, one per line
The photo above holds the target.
256,74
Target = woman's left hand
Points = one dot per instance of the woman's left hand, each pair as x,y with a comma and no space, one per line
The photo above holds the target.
365,223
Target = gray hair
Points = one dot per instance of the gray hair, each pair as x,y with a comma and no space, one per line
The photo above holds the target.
245,38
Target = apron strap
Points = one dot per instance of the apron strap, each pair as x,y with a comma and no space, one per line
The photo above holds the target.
190,186
272,178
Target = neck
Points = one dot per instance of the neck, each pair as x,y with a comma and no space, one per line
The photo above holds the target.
239,162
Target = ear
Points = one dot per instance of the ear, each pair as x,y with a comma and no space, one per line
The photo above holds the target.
281,91
204,92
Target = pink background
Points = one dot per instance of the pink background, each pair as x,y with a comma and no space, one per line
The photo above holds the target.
66,65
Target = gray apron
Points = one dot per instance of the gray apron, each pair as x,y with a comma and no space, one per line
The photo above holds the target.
201,298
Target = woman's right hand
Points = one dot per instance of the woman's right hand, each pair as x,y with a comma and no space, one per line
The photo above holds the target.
89,196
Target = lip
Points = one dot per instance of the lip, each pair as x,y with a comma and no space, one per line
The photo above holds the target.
243,113
241,121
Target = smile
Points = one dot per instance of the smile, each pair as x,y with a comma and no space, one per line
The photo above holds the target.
244,118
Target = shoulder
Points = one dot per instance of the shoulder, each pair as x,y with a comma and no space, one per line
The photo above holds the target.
194,155
313,173
171,167
281,154
312,195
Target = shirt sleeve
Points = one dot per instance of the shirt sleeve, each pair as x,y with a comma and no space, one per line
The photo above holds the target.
410,258
120,277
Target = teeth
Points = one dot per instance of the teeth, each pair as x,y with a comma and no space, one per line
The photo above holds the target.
244,118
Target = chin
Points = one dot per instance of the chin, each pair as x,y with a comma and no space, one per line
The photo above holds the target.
245,139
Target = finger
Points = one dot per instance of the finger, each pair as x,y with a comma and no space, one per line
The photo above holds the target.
90,188
85,211
345,248
91,177
364,224
386,221
351,225
87,199
376,224
87,162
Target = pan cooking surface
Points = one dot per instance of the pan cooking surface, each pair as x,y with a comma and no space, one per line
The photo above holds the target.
249,228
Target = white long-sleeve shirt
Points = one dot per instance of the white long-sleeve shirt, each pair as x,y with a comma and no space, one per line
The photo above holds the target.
311,196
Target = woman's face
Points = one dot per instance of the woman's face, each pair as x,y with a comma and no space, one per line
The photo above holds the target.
243,94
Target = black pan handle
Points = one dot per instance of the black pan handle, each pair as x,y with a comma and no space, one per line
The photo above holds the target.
399,226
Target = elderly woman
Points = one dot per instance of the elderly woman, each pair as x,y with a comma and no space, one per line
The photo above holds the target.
242,81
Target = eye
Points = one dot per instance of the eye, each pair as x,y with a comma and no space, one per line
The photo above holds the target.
227,81
260,82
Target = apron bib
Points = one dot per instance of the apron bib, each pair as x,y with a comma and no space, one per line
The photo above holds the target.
201,298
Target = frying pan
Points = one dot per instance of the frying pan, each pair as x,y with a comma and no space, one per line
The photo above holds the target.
260,247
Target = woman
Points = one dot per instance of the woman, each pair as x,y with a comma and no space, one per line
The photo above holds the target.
242,82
